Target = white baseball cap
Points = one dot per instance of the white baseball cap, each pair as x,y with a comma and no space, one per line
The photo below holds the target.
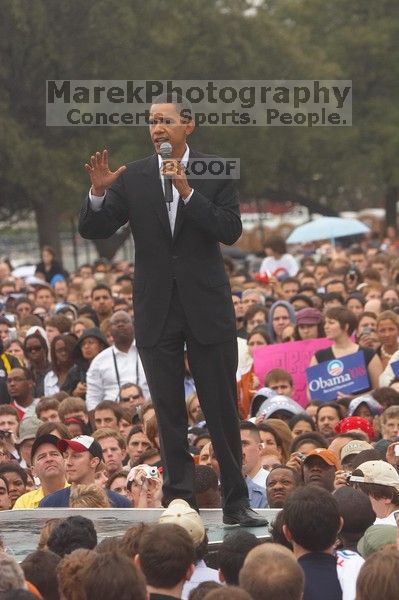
181,513
377,471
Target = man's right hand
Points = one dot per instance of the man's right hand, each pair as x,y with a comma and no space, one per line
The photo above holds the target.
100,175
295,461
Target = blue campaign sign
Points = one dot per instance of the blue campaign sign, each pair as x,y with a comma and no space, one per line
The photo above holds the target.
347,374
395,367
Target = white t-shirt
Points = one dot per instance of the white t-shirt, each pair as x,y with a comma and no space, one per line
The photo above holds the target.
389,520
348,566
286,262
201,573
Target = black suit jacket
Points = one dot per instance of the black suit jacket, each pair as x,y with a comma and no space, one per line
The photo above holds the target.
192,256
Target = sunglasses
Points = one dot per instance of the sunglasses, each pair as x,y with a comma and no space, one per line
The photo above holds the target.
131,397
33,348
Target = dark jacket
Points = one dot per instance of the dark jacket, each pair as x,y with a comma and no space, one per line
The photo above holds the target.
77,373
61,498
55,269
191,257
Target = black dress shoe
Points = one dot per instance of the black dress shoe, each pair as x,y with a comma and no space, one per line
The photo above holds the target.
243,515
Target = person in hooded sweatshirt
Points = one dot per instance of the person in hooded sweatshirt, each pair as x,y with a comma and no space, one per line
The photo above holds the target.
281,314
91,343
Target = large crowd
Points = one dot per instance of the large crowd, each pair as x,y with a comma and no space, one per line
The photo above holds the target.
78,430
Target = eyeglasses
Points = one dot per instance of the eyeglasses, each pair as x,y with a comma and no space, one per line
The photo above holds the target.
131,397
33,349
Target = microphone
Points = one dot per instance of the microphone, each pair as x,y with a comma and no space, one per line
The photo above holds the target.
165,150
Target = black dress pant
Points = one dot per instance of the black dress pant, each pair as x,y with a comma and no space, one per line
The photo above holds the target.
214,371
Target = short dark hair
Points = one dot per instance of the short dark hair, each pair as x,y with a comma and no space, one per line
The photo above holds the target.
113,575
309,437
355,509
334,281
134,430
303,297
358,436
386,396
4,480
330,297
276,243
333,405
205,479
110,405
166,552
177,100
13,467
101,286
71,534
301,417
311,514
232,553
27,372
39,568
344,316
296,475
252,428
252,310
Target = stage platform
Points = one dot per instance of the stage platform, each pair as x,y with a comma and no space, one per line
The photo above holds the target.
20,529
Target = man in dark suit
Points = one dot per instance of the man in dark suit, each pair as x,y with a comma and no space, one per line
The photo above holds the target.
181,294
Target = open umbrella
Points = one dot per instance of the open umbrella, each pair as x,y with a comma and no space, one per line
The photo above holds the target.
326,228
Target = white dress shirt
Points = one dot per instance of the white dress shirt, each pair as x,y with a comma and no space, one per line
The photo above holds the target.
102,380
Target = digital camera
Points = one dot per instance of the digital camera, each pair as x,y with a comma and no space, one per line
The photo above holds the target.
150,471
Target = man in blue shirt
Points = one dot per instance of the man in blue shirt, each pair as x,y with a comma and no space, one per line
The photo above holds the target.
82,456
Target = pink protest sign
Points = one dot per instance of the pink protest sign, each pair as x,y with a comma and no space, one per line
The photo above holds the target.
293,357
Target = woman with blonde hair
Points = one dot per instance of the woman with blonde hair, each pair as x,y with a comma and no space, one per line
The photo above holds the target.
193,410
88,496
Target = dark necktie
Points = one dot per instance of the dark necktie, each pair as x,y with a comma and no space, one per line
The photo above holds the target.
168,191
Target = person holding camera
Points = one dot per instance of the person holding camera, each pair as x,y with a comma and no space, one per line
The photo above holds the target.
144,485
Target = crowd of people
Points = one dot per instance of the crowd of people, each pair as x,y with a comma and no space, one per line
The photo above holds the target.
78,429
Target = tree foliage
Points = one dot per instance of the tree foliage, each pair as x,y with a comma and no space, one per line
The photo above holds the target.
42,167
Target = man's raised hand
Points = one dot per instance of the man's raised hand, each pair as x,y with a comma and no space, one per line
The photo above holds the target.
100,175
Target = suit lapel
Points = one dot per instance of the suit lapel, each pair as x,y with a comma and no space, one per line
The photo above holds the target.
155,192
